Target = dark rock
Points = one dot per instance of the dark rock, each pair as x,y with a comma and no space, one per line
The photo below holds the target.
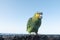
29,37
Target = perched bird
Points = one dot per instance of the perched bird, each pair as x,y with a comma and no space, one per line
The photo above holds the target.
34,23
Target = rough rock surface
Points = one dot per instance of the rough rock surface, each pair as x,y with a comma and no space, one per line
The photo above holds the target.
29,37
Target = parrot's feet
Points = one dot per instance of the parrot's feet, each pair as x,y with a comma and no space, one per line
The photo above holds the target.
36,33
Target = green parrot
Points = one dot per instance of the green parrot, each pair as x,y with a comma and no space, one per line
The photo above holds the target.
34,23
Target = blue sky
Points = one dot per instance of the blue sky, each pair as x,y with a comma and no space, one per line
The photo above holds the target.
14,15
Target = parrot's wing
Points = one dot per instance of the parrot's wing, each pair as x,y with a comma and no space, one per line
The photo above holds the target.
29,22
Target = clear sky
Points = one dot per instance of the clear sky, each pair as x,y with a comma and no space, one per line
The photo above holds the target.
14,15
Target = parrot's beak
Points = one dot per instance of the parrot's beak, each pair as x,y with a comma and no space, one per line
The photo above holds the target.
41,15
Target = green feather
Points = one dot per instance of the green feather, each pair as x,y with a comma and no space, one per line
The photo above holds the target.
33,24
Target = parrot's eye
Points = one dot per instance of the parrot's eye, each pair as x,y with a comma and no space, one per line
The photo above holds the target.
41,13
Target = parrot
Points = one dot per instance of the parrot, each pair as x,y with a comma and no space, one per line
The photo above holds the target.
34,23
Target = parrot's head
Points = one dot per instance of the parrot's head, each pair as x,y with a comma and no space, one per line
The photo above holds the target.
38,15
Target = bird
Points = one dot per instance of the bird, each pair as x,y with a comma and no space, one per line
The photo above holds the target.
34,23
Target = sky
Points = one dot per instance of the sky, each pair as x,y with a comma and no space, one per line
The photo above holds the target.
14,15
